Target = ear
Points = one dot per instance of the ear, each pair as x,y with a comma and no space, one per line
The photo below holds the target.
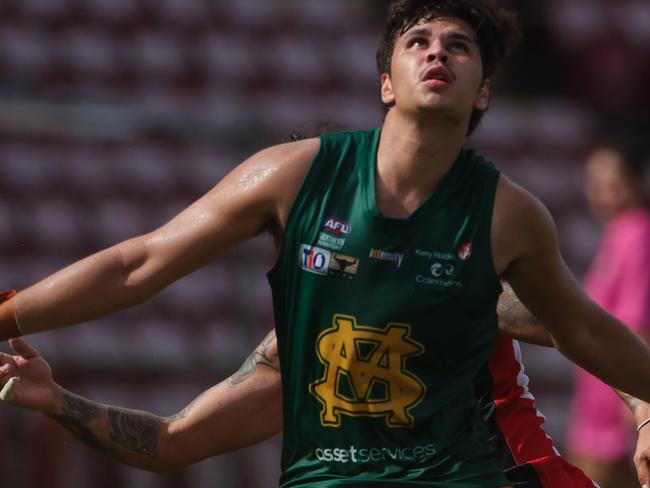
483,99
387,94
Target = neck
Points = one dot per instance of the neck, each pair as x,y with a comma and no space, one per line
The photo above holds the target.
412,159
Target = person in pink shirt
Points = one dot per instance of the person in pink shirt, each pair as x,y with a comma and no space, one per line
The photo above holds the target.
601,431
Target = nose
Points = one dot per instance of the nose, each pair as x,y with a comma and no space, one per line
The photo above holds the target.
437,53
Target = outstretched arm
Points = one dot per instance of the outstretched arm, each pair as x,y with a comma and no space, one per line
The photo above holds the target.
253,198
238,412
527,254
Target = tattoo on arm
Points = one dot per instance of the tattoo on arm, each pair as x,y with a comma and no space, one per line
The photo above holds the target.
512,313
183,413
632,403
137,431
266,354
77,412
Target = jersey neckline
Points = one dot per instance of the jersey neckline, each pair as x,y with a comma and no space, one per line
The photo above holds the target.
446,185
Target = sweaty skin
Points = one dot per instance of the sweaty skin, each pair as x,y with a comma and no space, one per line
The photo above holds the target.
423,132
241,411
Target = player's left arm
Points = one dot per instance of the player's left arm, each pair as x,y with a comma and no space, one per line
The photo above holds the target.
526,250
517,322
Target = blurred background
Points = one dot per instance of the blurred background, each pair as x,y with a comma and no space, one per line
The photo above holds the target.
116,114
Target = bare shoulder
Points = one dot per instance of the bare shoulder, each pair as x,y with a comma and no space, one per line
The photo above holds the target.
265,184
521,225
278,169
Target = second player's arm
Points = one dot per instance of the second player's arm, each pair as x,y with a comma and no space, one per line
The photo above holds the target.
240,411
253,198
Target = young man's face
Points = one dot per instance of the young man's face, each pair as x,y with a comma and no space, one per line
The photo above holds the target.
436,66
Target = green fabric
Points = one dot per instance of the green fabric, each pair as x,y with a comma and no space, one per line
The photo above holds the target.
382,326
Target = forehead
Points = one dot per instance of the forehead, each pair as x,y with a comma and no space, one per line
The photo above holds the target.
440,26
604,161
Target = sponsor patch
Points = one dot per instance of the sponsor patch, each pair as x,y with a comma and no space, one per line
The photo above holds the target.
444,256
390,257
442,276
330,242
337,226
342,266
465,251
314,259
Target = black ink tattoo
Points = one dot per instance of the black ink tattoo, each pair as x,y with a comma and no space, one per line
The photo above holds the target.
632,403
183,413
266,354
77,412
512,313
135,430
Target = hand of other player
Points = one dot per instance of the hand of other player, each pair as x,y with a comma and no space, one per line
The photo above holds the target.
642,456
34,388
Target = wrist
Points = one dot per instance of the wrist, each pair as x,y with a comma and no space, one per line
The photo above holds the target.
55,407
643,424
641,413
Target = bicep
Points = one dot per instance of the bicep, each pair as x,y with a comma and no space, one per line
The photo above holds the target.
226,418
251,199
238,412
516,321
538,274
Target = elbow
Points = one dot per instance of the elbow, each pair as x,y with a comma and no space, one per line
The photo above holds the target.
137,276
171,456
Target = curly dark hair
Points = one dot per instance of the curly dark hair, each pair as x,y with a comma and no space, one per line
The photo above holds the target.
497,30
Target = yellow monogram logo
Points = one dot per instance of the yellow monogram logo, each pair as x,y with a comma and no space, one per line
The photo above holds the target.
365,373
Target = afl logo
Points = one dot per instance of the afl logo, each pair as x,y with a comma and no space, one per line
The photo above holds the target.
465,251
337,226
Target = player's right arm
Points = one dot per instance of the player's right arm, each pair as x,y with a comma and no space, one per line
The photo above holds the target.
240,411
255,197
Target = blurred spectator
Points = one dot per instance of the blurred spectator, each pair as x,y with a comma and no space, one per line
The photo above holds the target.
602,431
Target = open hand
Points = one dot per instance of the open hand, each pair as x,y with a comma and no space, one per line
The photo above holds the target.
35,388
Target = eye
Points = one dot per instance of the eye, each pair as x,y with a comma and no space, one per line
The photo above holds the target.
417,42
459,46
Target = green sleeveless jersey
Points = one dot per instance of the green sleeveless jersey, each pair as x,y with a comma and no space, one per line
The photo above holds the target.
382,325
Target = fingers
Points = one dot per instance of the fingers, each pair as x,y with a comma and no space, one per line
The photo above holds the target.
23,348
8,392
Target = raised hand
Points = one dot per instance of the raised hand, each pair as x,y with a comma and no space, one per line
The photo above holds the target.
26,378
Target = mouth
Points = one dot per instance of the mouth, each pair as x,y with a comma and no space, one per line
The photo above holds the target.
437,76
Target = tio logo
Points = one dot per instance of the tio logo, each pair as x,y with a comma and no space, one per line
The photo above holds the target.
314,259
337,226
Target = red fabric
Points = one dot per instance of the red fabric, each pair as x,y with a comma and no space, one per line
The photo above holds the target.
521,423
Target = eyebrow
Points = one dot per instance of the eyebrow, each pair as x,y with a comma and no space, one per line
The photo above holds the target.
456,35
462,37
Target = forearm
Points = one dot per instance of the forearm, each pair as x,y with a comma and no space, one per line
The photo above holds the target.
609,350
129,436
88,289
